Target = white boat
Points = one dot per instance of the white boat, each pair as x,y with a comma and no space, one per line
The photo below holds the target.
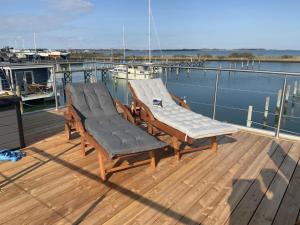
134,72
20,55
43,54
154,69
28,52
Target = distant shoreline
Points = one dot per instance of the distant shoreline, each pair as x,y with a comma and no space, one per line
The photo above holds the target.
235,57
185,49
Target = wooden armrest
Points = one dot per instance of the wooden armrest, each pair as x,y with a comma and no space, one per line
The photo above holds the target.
126,113
76,117
181,101
145,108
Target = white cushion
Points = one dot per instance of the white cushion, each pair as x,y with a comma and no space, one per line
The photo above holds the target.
192,124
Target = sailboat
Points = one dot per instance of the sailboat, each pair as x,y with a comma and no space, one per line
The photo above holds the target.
135,72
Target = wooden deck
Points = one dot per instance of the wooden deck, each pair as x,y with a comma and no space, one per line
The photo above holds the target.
251,180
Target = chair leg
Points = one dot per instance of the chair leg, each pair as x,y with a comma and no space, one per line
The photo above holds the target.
82,145
150,128
101,166
176,147
152,159
67,131
214,144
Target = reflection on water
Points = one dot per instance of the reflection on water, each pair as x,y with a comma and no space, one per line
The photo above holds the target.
235,93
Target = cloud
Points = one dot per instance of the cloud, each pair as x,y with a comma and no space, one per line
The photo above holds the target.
53,24
55,15
29,23
71,6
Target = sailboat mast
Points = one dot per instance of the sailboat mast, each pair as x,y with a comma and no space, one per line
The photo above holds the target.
149,30
124,46
34,42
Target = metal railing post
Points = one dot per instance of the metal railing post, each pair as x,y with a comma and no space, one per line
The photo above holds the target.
166,72
281,107
216,93
54,87
127,85
1,85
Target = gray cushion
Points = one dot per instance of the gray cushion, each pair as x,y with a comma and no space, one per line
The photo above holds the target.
91,100
192,124
118,136
102,121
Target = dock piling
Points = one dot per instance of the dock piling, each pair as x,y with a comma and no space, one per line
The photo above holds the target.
267,104
278,99
249,116
287,94
295,89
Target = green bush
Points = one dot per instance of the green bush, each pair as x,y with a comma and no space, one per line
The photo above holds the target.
287,56
248,55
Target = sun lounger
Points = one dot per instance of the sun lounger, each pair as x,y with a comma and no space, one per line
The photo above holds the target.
184,125
92,112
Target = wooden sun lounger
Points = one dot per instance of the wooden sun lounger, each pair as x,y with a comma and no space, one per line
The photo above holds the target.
91,129
179,138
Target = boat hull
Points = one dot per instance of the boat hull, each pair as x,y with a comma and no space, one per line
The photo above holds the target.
120,75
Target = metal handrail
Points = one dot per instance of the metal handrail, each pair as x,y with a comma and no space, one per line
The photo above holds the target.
269,72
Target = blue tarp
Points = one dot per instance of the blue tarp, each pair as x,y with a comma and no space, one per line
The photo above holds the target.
11,155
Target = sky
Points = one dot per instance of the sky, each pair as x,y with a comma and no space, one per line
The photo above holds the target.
176,24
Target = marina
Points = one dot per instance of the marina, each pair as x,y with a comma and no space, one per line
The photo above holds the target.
149,112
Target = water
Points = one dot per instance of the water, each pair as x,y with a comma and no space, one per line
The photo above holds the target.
235,93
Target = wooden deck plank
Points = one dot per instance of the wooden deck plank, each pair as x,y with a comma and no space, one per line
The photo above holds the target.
54,184
134,182
266,211
240,186
40,125
218,175
290,206
135,187
176,186
209,200
244,211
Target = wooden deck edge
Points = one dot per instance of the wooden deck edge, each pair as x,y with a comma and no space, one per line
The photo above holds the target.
268,133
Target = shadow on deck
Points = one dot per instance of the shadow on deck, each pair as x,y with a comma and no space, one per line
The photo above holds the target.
41,125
